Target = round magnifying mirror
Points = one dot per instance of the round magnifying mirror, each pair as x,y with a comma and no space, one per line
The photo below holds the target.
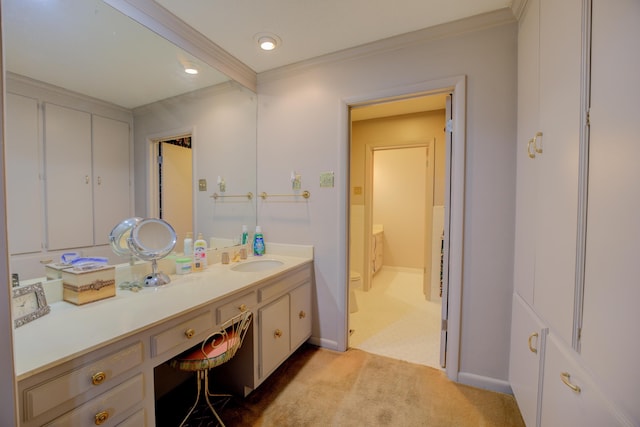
152,239
120,234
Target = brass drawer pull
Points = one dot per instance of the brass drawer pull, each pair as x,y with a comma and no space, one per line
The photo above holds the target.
98,378
189,333
277,333
101,417
531,347
302,314
243,307
566,379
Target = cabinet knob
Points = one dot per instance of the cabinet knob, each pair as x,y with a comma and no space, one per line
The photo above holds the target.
566,379
101,417
531,347
189,333
302,314
98,378
243,307
277,333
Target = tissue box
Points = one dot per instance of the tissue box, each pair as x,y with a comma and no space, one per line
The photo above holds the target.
81,287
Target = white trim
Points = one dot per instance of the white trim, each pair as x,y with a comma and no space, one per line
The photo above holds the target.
324,343
486,383
457,85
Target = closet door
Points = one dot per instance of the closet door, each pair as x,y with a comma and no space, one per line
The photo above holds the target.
67,141
111,186
609,344
557,165
526,192
24,189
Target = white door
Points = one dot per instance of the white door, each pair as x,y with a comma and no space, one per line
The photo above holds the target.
176,190
445,248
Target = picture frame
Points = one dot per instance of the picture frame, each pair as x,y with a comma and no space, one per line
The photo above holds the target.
29,303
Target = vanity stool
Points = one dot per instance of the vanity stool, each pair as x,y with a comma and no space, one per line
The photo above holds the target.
218,348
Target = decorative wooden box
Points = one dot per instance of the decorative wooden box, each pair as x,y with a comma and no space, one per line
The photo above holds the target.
81,287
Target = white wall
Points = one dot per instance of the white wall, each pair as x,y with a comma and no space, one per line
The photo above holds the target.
223,121
303,125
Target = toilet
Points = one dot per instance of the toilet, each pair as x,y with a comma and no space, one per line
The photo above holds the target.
355,282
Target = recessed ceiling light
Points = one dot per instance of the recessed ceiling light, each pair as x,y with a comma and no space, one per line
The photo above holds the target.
267,41
190,68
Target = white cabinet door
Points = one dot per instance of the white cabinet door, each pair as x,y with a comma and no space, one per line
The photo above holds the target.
557,203
526,184
274,335
609,343
69,202
24,187
570,397
111,186
528,339
300,314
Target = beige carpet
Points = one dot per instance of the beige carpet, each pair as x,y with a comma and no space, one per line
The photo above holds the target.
318,387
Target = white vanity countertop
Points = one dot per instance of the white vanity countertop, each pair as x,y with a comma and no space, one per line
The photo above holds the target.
69,330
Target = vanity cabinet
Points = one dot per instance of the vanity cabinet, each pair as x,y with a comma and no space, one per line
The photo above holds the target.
285,323
79,392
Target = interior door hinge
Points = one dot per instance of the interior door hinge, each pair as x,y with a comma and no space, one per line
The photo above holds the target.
449,126
589,117
159,160
444,325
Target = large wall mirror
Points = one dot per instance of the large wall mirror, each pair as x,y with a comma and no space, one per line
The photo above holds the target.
93,98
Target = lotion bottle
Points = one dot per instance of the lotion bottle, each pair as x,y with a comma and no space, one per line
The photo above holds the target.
258,242
188,245
200,252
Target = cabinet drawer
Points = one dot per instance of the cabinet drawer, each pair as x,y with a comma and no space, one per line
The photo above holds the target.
188,331
285,283
48,395
106,407
245,302
300,314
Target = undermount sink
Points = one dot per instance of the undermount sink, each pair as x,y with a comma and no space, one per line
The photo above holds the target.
257,265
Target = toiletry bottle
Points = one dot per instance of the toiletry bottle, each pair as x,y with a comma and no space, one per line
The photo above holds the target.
245,235
258,242
200,251
188,244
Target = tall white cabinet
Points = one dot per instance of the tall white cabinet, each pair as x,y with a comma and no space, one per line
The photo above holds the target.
569,319
68,173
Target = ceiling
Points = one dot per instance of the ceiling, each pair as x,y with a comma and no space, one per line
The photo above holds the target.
92,49
311,28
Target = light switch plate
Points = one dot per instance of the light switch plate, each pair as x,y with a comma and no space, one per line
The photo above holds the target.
202,184
326,179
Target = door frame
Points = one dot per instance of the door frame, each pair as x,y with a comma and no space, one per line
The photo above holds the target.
456,85
367,273
153,210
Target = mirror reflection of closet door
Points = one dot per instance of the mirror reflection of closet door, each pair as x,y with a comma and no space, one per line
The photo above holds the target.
176,189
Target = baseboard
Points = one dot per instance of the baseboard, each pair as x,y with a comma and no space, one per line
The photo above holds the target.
324,343
486,383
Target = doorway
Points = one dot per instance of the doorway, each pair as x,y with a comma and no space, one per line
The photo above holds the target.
172,186
397,187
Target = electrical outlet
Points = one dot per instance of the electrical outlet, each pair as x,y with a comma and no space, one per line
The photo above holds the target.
202,184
